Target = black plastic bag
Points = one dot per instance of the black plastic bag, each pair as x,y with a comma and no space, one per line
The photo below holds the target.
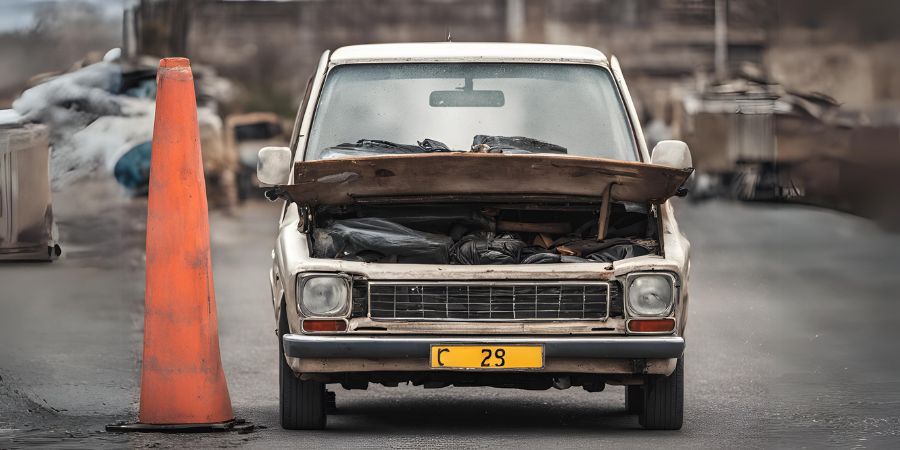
551,258
618,252
543,258
479,249
374,147
514,144
360,239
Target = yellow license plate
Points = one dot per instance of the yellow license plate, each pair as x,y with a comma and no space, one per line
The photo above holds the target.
487,357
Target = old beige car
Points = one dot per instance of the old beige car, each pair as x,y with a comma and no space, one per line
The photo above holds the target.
465,214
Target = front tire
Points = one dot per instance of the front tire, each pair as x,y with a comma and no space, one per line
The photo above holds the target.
302,402
664,401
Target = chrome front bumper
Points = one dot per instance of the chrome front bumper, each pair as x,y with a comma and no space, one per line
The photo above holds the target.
417,347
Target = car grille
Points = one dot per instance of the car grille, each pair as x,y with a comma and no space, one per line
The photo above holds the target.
489,300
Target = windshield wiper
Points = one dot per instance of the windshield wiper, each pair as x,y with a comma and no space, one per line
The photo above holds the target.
514,144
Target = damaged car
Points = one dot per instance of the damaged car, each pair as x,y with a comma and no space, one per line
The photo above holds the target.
468,214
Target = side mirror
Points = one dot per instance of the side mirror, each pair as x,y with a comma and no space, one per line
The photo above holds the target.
675,154
273,166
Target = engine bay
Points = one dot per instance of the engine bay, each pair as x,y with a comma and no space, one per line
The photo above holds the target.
484,233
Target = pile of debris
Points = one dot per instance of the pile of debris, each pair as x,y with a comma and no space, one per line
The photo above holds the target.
100,116
754,139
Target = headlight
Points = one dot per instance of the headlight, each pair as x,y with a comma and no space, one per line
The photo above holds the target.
323,295
650,294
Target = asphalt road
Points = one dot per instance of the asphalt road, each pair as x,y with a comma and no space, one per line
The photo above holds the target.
792,342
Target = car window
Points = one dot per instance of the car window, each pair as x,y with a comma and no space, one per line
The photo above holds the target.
400,108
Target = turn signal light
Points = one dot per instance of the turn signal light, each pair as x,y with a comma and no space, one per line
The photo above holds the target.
324,325
651,325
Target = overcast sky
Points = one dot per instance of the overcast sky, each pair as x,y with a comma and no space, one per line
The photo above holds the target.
19,14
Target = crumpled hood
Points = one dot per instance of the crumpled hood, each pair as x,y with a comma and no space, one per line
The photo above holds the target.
475,176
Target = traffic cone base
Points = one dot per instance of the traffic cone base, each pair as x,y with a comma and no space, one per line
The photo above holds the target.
241,426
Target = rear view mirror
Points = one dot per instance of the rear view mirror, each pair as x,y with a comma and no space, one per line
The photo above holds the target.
476,99
273,166
675,154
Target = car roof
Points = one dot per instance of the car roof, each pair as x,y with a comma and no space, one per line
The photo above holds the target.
467,52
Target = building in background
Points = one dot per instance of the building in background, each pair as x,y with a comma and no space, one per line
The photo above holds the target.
272,47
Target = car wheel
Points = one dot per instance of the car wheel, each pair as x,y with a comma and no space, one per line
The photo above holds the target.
302,402
634,399
664,400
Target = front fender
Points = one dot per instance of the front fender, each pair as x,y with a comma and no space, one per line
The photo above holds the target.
276,290
283,262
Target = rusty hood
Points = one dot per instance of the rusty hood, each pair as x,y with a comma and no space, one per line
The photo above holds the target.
475,176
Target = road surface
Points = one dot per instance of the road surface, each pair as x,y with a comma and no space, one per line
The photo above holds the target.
792,342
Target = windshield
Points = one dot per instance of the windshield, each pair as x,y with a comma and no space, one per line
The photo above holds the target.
369,109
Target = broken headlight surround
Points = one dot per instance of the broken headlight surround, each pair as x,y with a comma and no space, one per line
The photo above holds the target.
323,295
650,294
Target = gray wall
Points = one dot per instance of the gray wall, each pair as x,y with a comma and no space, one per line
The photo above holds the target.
272,47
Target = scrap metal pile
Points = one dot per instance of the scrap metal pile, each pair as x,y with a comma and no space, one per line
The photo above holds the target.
752,138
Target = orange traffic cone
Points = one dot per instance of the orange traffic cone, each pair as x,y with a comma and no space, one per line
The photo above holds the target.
183,386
